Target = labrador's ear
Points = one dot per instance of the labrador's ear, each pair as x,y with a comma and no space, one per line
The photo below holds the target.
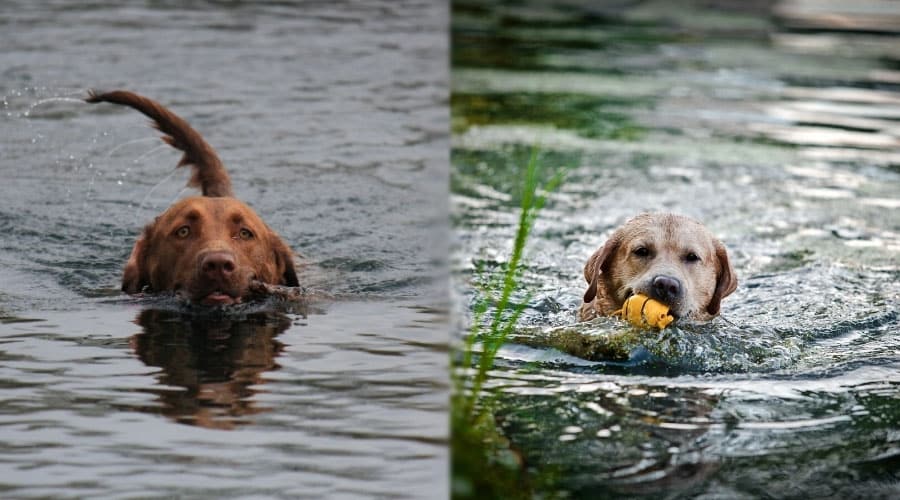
284,260
135,276
726,280
599,263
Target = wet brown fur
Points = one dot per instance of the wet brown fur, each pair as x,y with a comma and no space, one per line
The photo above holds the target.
201,244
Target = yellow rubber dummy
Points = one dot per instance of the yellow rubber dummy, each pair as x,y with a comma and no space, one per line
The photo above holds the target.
640,310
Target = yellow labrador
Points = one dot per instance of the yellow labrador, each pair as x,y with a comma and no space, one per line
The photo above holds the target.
671,258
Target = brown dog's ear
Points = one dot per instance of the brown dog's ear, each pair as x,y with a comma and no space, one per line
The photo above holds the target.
726,281
284,260
135,278
599,263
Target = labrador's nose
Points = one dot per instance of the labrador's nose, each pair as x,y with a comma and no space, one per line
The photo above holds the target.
666,289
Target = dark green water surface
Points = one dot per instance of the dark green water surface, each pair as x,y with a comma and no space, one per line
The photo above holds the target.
777,124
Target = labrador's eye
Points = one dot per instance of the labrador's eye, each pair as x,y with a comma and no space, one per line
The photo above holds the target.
246,234
692,257
183,232
641,252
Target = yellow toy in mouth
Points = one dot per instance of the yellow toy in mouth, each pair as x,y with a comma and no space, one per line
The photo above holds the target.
642,311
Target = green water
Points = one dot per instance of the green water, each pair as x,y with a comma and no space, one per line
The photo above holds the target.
778,128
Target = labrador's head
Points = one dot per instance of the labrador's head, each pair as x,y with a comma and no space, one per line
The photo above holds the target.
671,258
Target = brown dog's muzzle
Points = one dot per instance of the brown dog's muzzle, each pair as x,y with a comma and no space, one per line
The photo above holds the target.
218,278
217,266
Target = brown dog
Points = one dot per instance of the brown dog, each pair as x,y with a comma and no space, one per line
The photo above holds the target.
207,249
670,258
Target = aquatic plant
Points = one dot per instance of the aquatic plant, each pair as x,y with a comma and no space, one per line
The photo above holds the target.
476,445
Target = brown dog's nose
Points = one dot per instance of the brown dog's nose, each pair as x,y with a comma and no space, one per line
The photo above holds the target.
217,265
666,288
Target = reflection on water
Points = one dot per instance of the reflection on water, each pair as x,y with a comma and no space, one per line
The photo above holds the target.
211,367
775,123
94,406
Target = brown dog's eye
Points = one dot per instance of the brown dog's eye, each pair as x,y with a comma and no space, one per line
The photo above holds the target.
246,234
641,252
692,257
183,232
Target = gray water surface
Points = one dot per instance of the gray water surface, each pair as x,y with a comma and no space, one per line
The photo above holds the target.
331,118
775,123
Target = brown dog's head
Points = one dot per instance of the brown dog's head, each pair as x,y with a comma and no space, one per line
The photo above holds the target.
671,258
208,250
205,248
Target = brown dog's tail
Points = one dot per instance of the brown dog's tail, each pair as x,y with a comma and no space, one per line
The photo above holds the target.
209,174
